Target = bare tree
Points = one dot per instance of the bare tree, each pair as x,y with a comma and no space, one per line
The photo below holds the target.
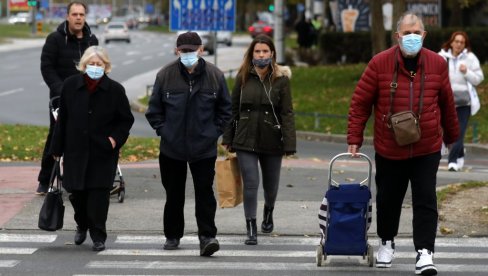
377,27
399,8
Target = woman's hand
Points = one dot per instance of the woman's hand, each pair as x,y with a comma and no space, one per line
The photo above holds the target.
463,68
112,141
353,149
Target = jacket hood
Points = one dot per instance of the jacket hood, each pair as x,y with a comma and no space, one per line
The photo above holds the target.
448,53
63,29
283,71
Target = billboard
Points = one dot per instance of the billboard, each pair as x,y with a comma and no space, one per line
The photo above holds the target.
18,6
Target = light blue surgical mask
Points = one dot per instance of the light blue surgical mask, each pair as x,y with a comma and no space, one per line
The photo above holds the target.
411,44
94,72
189,59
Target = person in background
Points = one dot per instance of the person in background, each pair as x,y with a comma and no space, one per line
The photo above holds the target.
93,124
189,108
263,129
464,73
419,73
60,55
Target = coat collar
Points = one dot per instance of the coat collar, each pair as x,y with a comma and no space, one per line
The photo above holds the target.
104,83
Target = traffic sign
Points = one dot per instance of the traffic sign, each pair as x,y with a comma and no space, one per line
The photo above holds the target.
202,15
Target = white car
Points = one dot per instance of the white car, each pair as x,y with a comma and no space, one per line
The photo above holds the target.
20,18
224,37
116,31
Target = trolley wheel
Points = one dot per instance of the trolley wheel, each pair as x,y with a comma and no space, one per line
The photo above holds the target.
320,255
121,196
370,256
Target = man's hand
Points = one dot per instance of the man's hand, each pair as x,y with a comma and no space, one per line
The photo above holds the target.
353,149
112,141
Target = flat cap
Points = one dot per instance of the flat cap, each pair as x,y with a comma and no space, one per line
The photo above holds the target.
188,40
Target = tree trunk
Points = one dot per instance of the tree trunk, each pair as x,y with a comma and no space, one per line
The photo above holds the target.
377,27
399,8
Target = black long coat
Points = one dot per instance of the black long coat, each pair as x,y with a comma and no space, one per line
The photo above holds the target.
85,122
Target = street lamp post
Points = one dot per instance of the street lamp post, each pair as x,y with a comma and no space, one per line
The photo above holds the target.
278,32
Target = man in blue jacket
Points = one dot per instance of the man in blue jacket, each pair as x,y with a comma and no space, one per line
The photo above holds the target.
189,108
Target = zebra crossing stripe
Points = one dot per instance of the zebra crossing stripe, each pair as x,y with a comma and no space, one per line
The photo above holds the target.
271,266
27,238
227,253
17,250
299,240
8,263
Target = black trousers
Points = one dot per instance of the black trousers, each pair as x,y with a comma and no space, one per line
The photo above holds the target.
91,210
392,177
47,161
173,178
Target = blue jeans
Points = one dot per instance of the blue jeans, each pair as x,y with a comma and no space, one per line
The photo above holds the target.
457,150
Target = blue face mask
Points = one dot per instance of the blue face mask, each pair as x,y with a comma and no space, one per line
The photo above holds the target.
94,72
411,43
189,59
261,63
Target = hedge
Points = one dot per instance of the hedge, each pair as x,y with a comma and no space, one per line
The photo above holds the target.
355,47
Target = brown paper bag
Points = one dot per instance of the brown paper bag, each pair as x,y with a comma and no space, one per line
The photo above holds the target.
229,183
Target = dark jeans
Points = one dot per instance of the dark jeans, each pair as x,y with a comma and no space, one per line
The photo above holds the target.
392,177
173,177
91,210
47,161
457,149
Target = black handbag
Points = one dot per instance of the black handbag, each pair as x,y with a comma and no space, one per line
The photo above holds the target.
51,215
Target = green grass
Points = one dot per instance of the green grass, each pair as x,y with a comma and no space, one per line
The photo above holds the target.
21,31
26,143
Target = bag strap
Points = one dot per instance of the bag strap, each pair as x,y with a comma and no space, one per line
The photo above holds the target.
394,86
55,176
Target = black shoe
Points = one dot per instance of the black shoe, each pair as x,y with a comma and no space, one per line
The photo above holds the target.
42,189
171,244
252,235
267,225
80,236
208,246
98,246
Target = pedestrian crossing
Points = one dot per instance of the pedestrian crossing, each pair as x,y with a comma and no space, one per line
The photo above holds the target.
275,255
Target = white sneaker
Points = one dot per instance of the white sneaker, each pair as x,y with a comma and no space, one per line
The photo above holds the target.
385,254
425,265
453,167
460,163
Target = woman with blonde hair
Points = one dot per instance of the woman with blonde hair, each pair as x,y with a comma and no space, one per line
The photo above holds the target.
93,123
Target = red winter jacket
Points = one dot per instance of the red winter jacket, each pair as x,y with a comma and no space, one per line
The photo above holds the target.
438,119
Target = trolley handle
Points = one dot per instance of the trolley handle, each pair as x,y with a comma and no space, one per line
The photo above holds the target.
367,180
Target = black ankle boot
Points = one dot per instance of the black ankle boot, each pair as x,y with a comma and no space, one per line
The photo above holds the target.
267,225
252,235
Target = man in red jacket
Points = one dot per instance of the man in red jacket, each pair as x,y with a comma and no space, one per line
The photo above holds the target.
406,77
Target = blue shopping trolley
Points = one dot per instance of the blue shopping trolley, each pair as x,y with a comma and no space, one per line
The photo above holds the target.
345,216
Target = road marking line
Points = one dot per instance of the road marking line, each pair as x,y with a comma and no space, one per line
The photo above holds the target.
8,263
17,251
271,266
27,238
5,93
227,253
147,57
127,62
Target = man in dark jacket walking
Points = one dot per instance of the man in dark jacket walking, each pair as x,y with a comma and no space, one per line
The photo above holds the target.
190,108
60,55
406,77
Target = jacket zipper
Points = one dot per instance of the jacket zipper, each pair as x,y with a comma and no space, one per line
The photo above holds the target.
411,108
186,117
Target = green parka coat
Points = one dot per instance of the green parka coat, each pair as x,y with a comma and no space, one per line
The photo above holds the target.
262,115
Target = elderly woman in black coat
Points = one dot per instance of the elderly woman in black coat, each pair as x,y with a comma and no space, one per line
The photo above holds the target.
93,124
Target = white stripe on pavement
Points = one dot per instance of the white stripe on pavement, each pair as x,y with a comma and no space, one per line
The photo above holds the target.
271,266
226,253
27,238
17,250
5,93
270,240
8,263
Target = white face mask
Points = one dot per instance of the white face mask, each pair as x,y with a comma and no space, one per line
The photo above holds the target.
189,59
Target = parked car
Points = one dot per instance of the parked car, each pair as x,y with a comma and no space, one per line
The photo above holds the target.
263,25
92,21
116,31
207,40
224,37
20,18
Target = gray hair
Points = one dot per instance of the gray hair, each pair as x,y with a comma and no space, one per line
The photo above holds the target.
410,18
91,52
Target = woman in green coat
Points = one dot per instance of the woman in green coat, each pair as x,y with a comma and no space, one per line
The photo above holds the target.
263,128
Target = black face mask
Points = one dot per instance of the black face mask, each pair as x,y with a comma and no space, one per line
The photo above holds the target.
261,63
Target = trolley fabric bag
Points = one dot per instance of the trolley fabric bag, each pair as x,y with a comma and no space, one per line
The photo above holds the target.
51,215
229,183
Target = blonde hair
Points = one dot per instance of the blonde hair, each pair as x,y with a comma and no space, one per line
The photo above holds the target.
91,52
